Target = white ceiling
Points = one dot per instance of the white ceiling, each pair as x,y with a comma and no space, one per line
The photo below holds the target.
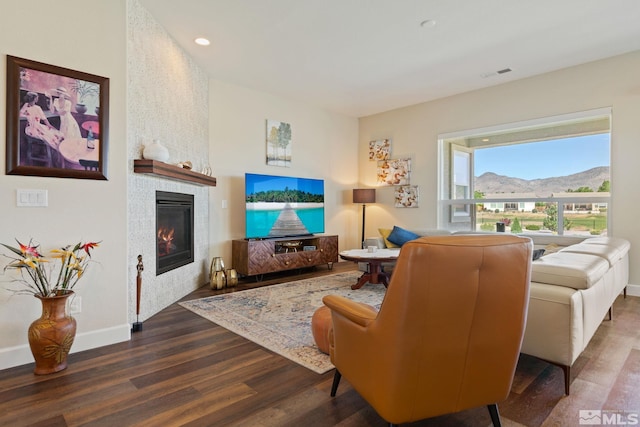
361,57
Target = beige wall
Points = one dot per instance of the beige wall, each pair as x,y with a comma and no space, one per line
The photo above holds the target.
609,83
323,146
78,209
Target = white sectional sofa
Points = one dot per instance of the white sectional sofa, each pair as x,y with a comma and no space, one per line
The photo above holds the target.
573,287
571,292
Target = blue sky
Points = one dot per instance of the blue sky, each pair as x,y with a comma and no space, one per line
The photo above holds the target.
255,183
545,159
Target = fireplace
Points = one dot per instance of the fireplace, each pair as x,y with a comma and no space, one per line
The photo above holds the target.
174,230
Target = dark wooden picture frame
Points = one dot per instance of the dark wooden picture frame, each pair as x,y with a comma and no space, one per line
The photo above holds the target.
57,121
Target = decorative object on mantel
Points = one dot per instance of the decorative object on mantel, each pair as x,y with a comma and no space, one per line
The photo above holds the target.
380,149
167,170
406,196
137,325
156,151
278,143
50,336
185,165
206,170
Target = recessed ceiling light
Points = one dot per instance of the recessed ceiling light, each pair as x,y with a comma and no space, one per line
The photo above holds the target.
202,41
428,23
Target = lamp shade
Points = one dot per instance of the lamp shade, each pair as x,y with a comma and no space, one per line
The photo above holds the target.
364,195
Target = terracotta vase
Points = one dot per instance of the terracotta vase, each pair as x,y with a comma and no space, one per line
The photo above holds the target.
51,336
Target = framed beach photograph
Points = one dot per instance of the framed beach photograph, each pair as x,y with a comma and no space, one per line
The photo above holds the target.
57,121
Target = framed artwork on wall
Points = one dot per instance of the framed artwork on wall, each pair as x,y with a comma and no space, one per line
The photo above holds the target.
57,121
278,143
406,196
380,149
394,172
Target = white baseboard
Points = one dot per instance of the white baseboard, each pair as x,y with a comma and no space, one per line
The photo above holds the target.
633,290
20,355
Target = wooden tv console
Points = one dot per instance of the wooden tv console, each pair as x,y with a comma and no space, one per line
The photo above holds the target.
259,256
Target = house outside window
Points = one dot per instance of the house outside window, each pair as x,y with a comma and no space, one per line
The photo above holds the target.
566,202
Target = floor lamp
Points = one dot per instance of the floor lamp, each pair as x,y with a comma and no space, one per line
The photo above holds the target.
364,196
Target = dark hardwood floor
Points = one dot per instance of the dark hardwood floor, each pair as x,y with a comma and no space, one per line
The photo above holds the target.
183,370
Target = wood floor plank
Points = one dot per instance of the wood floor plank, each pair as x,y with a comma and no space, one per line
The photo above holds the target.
624,392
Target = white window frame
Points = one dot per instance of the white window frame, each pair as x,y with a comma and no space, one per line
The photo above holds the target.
446,204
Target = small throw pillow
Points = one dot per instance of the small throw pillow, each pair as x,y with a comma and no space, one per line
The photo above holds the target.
400,236
537,253
384,232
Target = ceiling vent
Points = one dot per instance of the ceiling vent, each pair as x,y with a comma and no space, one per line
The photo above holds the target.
496,73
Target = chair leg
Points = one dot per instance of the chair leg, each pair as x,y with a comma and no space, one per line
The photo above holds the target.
495,415
625,292
336,381
610,314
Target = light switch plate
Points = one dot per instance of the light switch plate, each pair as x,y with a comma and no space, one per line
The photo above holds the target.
32,198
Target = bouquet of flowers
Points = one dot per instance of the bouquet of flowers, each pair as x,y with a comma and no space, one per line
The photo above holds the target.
43,277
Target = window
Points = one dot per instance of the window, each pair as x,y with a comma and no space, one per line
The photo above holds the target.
547,175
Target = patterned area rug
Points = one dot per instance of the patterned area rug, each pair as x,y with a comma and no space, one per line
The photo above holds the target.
278,317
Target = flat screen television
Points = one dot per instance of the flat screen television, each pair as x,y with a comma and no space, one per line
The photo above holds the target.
283,206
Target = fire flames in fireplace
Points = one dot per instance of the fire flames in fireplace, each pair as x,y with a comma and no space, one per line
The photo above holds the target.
165,241
174,230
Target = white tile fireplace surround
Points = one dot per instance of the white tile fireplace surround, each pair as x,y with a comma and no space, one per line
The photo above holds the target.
162,289
162,74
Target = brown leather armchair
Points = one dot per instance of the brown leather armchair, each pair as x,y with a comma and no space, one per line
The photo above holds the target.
448,333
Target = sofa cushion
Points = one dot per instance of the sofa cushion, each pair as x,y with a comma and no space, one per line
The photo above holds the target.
384,232
400,236
610,248
573,270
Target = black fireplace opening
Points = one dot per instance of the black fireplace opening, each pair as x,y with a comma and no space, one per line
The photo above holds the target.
174,230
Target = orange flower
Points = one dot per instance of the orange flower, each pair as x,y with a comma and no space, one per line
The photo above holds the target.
28,250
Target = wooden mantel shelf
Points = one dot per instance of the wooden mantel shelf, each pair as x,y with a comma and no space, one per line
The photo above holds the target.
166,170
